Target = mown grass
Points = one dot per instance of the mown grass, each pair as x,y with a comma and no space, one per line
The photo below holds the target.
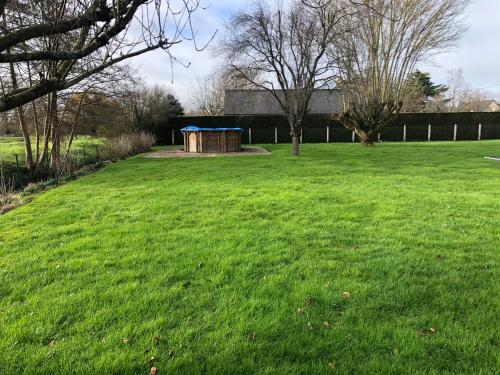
238,265
12,146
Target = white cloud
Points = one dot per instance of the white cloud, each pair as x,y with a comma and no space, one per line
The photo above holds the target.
478,54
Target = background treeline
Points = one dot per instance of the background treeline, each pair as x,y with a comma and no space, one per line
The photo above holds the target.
101,113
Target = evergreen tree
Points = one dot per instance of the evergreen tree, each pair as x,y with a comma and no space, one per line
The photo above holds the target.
421,82
176,108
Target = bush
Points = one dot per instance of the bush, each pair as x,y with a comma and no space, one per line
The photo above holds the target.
67,166
8,197
126,145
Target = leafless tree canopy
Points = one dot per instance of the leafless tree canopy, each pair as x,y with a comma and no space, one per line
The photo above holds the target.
209,91
283,50
387,39
62,42
208,95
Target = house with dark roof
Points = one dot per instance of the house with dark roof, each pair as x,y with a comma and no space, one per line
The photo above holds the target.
262,102
489,106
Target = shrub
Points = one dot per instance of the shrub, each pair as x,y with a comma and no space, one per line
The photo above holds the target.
7,190
67,166
126,145
8,197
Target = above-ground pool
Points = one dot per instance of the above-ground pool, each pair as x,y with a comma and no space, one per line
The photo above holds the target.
216,140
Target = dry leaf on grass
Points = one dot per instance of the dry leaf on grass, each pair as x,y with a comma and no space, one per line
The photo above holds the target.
426,331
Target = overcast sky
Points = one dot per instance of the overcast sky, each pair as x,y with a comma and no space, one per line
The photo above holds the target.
478,53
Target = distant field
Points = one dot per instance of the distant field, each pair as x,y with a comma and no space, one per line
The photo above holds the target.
239,265
10,146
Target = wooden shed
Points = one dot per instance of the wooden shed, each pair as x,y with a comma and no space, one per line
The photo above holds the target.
211,140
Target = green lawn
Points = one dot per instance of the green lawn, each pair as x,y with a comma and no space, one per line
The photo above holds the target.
11,146
238,265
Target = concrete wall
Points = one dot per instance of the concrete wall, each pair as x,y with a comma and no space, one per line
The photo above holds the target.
261,102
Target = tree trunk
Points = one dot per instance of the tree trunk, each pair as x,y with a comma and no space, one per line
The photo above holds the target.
47,131
73,127
28,154
22,122
37,131
55,151
366,138
295,145
295,133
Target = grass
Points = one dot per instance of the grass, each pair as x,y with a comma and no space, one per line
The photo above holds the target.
11,146
238,265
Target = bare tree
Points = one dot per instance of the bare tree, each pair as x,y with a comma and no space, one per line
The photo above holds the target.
387,39
209,91
283,51
208,94
56,36
151,107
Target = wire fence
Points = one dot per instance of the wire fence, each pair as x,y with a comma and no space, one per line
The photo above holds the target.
12,164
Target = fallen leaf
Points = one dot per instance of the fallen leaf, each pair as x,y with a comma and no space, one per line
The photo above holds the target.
346,295
251,336
331,365
125,341
426,331
152,371
326,324
51,343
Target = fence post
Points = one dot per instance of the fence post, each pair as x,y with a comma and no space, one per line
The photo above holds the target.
404,133
379,136
275,134
479,130
301,134
455,128
249,136
97,152
328,134
353,137
173,136
429,133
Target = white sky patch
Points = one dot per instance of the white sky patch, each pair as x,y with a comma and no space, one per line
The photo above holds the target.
477,54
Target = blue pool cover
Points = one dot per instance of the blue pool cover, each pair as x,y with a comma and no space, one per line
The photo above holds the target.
194,128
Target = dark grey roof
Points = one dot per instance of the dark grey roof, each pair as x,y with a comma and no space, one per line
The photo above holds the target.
262,102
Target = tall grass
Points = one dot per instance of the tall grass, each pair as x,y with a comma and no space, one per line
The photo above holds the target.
126,145
8,196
